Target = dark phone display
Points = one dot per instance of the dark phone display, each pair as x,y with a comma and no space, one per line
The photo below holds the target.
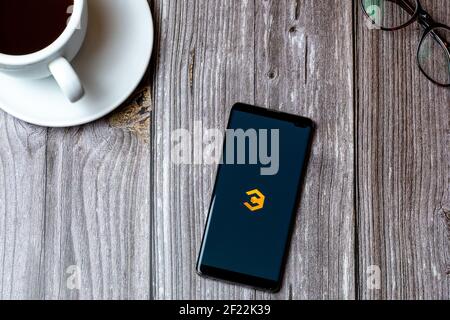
248,242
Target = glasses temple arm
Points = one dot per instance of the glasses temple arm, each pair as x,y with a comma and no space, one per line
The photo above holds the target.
406,5
424,22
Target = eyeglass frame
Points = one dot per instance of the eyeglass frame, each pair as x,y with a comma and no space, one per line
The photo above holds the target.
426,22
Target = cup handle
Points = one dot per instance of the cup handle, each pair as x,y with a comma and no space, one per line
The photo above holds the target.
67,79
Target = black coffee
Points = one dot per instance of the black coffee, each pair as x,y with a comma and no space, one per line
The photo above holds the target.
27,26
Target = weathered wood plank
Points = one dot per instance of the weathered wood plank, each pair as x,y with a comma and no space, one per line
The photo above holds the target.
97,204
305,66
205,64
75,205
403,167
22,208
272,53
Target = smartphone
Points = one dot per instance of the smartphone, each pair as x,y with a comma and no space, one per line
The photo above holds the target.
255,197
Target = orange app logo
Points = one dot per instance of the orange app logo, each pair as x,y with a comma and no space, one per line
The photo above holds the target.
256,200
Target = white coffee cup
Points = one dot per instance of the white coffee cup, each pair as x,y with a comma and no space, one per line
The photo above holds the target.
54,60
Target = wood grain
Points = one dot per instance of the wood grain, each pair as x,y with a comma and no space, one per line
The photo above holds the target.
403,164
74,200
106,199
22,207
204,57
298,51
98,189
271,53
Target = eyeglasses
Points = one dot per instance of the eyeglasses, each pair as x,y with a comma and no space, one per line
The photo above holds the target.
433,53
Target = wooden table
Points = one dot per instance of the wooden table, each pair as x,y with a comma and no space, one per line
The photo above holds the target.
105,204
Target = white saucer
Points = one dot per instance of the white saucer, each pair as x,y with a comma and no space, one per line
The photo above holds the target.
111,63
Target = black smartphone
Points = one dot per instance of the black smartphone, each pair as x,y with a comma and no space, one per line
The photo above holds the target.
255,196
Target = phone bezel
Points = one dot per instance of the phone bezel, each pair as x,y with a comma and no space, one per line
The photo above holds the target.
245,279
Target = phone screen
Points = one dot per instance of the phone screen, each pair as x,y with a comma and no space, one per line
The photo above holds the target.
255,197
